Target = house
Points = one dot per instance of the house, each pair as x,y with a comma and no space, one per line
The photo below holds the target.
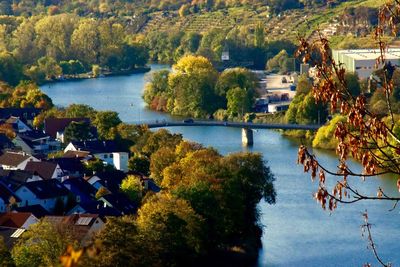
37,210
8,199
120,202
103,150
45,193
13,179
95,207
12,160
71,167
17,219
25,114
55,127
82,226
108,179
82,190
18,125
36,143
45,170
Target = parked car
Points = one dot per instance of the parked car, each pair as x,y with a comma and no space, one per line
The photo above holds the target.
188,121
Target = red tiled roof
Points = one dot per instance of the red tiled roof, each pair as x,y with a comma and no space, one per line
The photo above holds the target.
14,219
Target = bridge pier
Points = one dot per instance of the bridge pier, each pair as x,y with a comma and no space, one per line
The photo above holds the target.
247,137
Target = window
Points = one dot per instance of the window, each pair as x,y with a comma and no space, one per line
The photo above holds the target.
111,156
105,156
78,199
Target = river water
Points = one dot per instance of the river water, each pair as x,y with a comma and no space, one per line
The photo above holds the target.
297,231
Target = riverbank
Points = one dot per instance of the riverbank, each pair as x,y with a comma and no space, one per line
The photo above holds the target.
89,75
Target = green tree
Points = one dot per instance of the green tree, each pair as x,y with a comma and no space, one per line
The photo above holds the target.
238,102
279,63
106,123
119,244
49,67
132,187
80,111
172,231
193,81
42,245
77,131
159,160
259,35
10,69
85,41
139,164
5,256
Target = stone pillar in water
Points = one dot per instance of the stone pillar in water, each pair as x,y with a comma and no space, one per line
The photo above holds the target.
247,137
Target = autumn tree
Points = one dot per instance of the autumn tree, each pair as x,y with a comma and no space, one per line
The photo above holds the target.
132,187
42,245
366,137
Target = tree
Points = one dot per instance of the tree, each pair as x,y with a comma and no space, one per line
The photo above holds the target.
366,137
102,192
171,231
106,123
139,164
10,69
5,256
132,187
238,102
42,245
259,36
85,41
279,63
119,244
77,131
80,111
193,81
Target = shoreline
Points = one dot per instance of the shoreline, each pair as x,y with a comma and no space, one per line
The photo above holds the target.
102,75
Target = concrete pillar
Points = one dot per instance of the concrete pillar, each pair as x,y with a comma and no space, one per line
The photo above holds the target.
247,137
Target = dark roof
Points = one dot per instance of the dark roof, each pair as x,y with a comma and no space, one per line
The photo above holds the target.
12,158
6,194
32,136
14,219
23,113
14,178
6,233
81,185
96,146
112,179
121,202
54,125
47,189
97,207
5,142
42,168
69,165
36,210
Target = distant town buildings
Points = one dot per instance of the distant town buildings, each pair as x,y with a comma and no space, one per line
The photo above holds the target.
363,61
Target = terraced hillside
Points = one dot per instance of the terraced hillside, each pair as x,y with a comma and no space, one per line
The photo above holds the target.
287,25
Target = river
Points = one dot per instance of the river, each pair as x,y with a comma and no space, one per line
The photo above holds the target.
297,231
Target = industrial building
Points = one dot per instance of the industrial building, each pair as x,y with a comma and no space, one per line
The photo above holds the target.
363,61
